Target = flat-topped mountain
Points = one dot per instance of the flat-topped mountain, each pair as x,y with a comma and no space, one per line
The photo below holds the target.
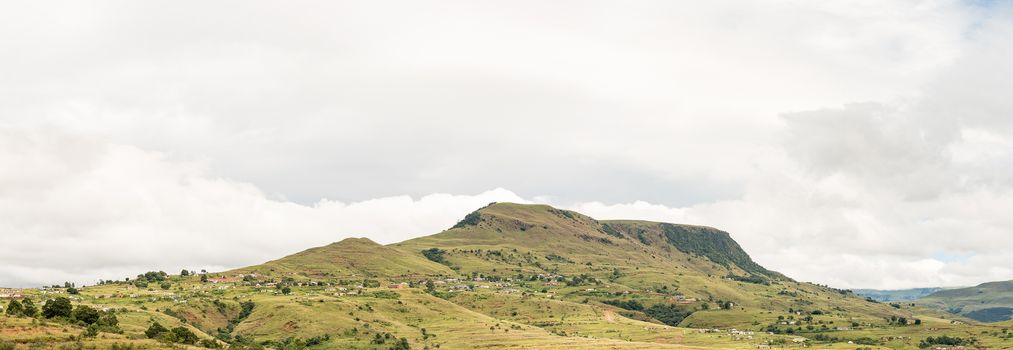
506,276
651,261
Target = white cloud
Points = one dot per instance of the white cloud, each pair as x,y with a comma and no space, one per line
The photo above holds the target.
414,97
80,209
839,143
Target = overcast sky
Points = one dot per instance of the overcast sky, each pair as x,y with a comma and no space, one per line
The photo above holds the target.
850,143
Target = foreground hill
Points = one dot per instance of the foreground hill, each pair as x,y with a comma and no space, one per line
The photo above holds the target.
987,302
506,276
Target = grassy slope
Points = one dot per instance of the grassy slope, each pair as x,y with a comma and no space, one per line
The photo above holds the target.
972,301
349,258
526,234
632,260
896,295
136,309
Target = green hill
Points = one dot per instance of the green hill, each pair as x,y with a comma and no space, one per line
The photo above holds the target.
896,294
349,258
987,302
506,276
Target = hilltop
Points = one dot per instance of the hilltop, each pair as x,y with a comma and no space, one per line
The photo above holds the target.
506,276
896,294
987,302
349,258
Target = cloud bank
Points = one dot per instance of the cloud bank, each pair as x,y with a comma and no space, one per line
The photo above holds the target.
866,144
78,209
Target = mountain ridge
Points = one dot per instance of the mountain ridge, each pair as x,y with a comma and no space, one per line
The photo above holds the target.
513,276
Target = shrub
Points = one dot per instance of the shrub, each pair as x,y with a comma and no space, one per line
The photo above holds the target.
209,343
14,308
626,304
156,330
435,255
667,313
754,279
471,219
59,307
28,308
90,332
611,231
85,314
183,335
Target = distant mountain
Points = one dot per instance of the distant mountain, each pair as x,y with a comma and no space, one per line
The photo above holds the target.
987,302
882,295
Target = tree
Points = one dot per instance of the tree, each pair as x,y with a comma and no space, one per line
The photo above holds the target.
28,308
14,309
73,290
155,331
108,320
165,285
184,273
286,290
204,278
59,307
401,344
435,255
86,314
183,335
667,313
918,322
90,332
430,286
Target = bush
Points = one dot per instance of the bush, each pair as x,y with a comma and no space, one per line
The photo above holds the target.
667,313
944,340
90,332
183,335
59,307
385,294
155,331
153,276
28,308
435,255
626,304
471,219
209,343
85,314
14,308
611,231
754,279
